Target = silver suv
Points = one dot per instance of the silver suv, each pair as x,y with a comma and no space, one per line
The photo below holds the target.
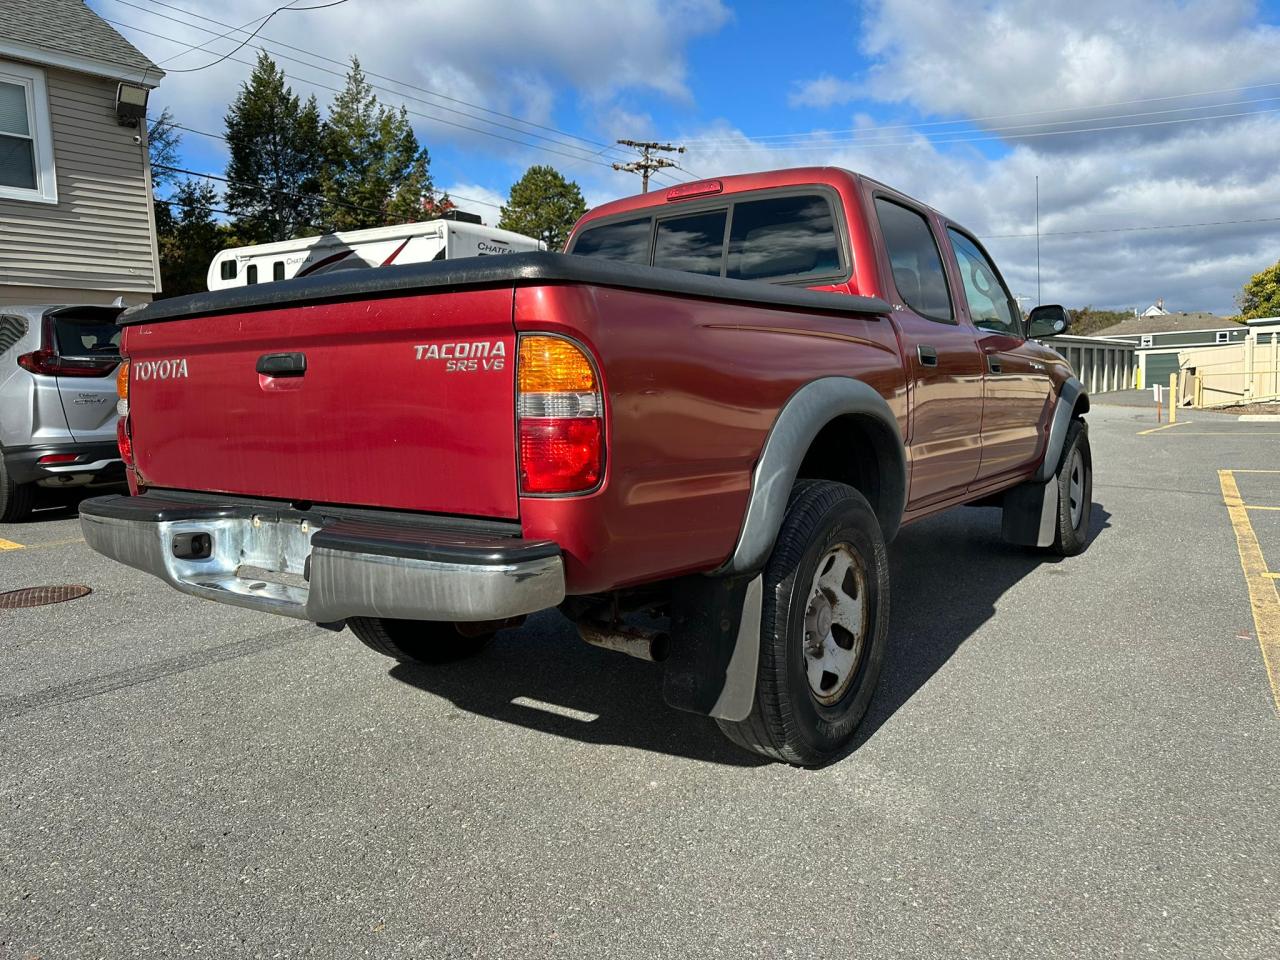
57,401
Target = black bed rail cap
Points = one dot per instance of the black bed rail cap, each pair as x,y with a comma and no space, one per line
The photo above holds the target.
513,269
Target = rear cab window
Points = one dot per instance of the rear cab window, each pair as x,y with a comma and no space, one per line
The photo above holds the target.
793,237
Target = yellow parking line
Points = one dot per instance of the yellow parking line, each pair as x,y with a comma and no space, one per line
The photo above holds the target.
1250,506
1272,576
1143,433
1227,433
1263,599
9,545
1254,471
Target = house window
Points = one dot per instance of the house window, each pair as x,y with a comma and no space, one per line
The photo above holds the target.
26,143
1223,336
1145,341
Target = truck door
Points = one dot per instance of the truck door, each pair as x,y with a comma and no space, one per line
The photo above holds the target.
1016,388
941,356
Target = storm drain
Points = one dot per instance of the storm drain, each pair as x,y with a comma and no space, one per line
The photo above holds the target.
41,596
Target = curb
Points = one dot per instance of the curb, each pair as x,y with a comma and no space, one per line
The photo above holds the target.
1259,418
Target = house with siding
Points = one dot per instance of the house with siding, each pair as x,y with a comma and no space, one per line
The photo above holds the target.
76,220
1159,338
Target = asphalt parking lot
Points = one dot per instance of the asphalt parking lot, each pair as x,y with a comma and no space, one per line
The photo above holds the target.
1064,759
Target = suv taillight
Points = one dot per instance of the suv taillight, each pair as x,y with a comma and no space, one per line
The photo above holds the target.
560,410
46,363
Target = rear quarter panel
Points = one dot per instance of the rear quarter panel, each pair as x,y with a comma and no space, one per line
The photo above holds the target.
692,388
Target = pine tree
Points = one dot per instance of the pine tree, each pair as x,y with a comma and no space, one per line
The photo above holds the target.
189,238
375,171
544,205
275,141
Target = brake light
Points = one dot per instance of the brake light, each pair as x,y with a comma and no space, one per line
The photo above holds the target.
560,410
124,441
699,188
46,363
50,459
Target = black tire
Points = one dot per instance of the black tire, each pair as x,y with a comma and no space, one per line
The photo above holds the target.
418,641
1075,485
16,499
789,721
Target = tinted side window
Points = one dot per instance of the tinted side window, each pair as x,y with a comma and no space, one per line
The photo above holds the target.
914,258
990,305
694,243
228,268
277,270
783,237
80,339
251,273
627,240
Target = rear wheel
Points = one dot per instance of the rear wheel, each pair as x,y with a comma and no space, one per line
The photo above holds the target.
16,499
420,641
824,628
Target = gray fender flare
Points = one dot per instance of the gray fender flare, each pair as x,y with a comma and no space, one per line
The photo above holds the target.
803,416
1070,398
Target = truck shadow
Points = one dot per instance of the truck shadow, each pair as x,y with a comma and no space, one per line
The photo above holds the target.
948,573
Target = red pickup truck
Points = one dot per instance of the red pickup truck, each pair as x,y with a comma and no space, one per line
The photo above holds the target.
694,432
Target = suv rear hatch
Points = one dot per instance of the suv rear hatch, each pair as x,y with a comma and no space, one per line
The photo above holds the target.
87,343
398,402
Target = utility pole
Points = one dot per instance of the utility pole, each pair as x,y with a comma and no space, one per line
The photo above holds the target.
647,164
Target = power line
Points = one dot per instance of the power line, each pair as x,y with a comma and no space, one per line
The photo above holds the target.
435,119
981,139
237,49
371,73
997,116
876,132
1163,226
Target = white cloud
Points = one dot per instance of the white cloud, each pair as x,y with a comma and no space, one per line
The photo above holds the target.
474,198
824,91
504,56
945,58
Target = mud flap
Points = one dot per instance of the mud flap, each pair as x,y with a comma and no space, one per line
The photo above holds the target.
715,646
1030,517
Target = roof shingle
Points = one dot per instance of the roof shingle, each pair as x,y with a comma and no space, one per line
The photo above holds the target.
1170,323
69,27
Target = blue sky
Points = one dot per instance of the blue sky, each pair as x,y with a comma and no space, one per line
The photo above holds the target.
958,103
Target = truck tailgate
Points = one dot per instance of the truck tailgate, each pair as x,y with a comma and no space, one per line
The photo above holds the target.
405,402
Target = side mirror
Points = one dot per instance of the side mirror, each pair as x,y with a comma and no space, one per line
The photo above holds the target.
1048,320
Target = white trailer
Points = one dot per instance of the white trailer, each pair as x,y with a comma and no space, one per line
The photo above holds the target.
356,249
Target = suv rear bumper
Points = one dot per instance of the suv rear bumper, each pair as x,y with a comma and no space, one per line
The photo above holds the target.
98,460
326,568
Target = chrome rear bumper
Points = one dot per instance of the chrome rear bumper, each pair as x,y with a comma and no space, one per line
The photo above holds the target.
322,568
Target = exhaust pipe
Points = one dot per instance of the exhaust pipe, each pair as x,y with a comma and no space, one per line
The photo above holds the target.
635,642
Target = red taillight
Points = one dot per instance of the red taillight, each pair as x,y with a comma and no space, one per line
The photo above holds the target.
46,363
560,408
560,455
52,459
124,441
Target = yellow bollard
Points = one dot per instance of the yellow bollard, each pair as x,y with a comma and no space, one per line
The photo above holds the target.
1173,398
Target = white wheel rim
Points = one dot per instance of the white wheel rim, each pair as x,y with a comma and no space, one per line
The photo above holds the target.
835,623
1075,488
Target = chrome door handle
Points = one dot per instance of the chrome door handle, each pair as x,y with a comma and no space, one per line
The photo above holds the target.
928,355
993,363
